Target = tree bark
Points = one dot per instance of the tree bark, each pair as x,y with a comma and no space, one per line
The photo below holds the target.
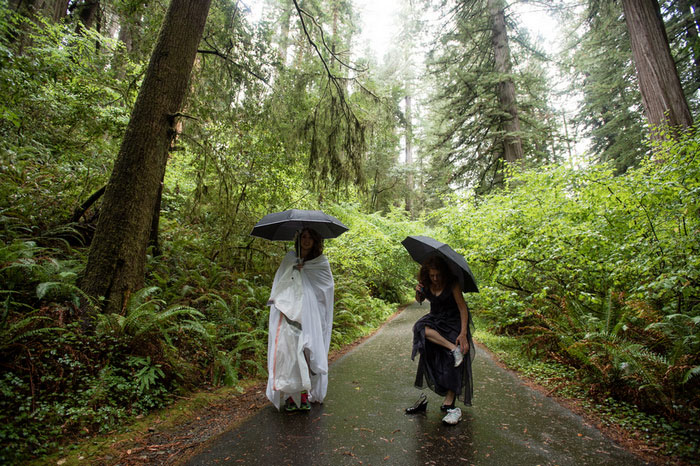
512,145
116,262
153,240
662,94
409,152
88,13
285,20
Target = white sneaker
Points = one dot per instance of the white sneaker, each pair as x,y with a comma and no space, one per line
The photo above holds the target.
452,417
459,357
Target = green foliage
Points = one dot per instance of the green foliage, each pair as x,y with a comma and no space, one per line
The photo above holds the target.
672,437
148,374
13,333
61,117
598,271
371,252
144,319
356,313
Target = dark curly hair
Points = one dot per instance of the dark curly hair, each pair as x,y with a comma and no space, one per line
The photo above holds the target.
437,263
317,248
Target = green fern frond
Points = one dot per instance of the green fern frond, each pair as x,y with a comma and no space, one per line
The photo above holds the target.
45,288
138,297
177,311
110,323
690,373
20,330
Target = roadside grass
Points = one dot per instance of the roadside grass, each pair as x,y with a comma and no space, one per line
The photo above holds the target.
111,446
672,440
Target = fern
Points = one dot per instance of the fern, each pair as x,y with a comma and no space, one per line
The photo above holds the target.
138,298
45,288
690,373
144,317
148,374
683,333
12,333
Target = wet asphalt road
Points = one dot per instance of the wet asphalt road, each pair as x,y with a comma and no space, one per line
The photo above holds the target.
362,420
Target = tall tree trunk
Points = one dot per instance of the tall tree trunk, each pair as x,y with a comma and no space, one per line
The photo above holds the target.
116,262
285,20
662,94
334,65
58,9
88,13
512,145
409,152
153,240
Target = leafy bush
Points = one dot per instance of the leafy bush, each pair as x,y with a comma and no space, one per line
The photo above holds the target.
62,112
370,252
602,272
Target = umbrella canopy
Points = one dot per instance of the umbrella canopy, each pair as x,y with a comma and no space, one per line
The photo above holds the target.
283,226
422,247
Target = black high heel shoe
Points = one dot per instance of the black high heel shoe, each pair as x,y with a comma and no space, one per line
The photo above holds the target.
419,406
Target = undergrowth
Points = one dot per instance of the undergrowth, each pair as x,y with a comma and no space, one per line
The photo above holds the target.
671,438
197,323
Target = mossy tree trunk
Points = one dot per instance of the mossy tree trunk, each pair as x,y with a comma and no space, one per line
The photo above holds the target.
116,262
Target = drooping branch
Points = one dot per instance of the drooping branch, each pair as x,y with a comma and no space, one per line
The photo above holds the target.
335,128
303,13
227,58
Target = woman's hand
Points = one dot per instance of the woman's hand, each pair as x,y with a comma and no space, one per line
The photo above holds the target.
420,297
462,343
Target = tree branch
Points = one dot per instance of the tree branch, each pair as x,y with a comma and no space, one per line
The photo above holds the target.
229,60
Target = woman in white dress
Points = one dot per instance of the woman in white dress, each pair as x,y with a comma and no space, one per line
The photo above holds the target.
301,320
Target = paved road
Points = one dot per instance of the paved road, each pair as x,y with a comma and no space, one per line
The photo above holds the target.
362,420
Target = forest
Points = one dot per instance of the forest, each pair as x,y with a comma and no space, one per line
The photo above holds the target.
141,141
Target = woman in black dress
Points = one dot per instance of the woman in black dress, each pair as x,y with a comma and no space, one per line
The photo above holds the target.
443,338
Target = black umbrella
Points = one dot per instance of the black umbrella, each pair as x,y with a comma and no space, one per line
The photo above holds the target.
283,226
422,247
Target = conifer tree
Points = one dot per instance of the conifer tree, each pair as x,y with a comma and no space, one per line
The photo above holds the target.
116,262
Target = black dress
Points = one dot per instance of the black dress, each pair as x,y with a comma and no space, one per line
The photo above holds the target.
436,363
